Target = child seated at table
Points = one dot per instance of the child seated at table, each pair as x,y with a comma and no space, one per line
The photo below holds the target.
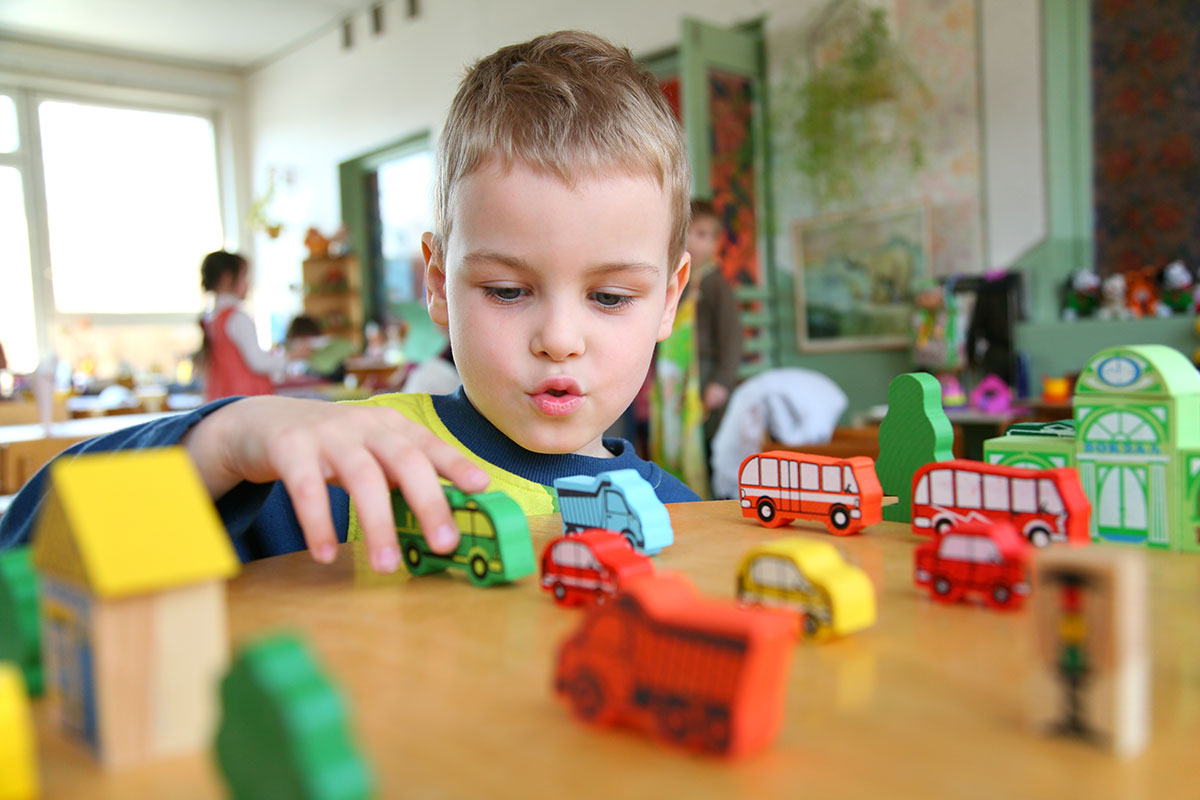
556,262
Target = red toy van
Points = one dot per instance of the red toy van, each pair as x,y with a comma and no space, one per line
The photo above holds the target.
985,559
590,567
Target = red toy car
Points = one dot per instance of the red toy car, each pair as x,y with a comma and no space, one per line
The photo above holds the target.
987,559
589,567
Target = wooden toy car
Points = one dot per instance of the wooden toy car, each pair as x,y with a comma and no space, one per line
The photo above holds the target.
590,567
809,578
620,500
1044,505
704,675
779,486
984,559
493,546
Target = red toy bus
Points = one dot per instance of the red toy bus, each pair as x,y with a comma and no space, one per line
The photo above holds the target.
591,566
708,676
1044,505
985,559
779,486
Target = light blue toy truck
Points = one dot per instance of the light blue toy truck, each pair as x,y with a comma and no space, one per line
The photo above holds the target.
621,501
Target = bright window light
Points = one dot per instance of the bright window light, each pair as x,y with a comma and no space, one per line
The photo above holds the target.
9,138
17,331
132,207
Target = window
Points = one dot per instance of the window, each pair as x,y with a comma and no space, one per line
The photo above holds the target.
770,472
793,481
574,554
967,489
1051,501
851,483
463,520
775,572
921,495
1024,496
986,551
17,325
809,477
9,137
942,483
750,473
831,478
956,547
615,504
995,492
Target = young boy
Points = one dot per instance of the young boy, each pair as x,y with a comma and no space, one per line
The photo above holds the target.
556,263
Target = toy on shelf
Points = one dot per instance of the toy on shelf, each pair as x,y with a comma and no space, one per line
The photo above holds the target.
1092,680
914,432
1141,293
985,559
18,766
705,675
1135,444
831,597
132,559
1042,505
620,500
493,546
284,731
992,395
1112,298
1177,293
317,244
1081,295
779,486
590,566
20,635
1056,389
953,394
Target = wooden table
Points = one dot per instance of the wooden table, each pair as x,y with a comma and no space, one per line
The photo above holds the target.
450,689
25,448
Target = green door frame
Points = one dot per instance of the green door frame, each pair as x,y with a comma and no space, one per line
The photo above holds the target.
354,203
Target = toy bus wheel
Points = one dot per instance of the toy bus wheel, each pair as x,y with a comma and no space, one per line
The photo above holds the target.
1039,537
942,525
560,592
768,516
839,517
479,570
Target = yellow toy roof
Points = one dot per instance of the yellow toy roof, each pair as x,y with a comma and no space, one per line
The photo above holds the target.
129,523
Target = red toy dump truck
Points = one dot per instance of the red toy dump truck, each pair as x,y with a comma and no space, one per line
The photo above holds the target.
706,675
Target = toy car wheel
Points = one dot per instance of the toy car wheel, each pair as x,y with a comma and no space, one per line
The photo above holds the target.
716,730
768,516
810,625
1039,537
601,597
412,557
673,719
839,517
479,570
560,592
942,587
631,539
1001,596
587,696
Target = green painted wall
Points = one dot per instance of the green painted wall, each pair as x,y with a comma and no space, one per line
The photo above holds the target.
1058,348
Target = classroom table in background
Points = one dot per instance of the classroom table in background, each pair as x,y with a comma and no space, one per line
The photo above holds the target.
25,448
449,688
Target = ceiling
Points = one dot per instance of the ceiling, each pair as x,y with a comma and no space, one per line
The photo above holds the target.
234,34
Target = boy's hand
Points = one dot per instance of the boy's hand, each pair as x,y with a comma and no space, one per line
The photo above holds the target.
364,449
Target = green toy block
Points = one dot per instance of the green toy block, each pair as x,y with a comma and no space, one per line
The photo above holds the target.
283,733
20,633
914,432
494,546
1026,446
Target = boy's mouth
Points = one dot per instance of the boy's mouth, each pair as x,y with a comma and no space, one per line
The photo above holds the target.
557,397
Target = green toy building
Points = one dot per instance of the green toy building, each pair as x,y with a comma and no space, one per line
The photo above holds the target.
283,732
1136,446
1033,445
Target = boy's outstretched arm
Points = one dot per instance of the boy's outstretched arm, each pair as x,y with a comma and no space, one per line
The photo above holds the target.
365,449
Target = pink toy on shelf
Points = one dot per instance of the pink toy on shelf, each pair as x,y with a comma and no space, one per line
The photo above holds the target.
992,396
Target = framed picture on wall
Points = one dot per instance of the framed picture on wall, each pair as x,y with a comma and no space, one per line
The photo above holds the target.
855,277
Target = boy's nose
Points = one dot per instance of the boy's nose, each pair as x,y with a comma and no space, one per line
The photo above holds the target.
558,337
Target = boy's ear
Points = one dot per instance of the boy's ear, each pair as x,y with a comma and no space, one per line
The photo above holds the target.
435,281
675,286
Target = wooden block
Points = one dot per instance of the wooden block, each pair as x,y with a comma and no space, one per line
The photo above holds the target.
18,769
20,635
590,567
619,500
914,432
1091,680
780,486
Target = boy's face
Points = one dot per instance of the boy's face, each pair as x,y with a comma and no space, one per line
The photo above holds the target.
554,297
704,234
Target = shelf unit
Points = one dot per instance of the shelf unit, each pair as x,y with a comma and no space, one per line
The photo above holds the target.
333,296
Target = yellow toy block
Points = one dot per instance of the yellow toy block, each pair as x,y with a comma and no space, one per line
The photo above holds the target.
809,577
18,771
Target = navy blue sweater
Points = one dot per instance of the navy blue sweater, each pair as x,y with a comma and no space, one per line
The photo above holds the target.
259,517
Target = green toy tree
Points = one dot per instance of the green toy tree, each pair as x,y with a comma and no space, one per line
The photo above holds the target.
283,730
914,432
20,634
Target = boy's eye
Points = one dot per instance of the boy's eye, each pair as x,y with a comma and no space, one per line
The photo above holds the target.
610,300
506,293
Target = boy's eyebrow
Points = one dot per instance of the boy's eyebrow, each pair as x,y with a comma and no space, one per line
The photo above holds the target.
518,263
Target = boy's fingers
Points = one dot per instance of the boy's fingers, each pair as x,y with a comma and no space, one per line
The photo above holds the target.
360,475
298,468
412,471
447,460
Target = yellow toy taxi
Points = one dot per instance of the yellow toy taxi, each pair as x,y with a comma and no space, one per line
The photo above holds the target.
833,598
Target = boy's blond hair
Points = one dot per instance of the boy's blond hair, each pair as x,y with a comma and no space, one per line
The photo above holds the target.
569,104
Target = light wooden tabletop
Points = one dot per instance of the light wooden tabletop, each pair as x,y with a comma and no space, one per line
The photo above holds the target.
450,689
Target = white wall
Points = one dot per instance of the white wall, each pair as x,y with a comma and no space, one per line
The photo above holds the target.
321,105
